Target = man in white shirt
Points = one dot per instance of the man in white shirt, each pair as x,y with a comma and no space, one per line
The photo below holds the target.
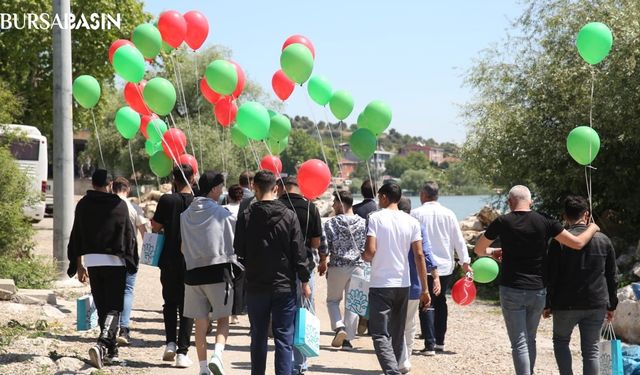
390,233
446,239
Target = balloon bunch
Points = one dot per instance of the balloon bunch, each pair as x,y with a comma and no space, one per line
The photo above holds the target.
485,270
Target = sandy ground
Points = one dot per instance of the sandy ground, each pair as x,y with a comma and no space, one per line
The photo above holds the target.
477,342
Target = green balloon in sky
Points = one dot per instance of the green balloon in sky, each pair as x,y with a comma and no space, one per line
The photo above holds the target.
127,122
376,117
341,104
86,91
160,96
253,120
594,42
156,129
279,127
296,62
128,63
320,90
151,147
222,77
277,146
363,143
160,164
238,138
583,144
147,40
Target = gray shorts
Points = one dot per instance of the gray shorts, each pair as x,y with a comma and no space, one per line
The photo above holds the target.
199,300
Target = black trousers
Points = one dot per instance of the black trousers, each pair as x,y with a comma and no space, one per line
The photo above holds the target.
107,288
172,280
433,321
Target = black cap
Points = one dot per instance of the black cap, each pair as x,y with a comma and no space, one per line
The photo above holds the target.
208,181
100,178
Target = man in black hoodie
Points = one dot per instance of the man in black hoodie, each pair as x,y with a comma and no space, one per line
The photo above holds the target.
581,290
269,239
103,247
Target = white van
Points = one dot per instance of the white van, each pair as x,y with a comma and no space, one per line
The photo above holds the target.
30,152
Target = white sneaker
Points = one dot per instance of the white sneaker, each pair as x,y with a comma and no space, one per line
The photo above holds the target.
170,352
215,365
405,369
182,361
439,348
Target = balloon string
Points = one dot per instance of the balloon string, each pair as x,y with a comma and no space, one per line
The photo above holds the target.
198,107
95,126
182,97
587,170
172,156
593,79
182,146
224,149
255,154
246,165
285,188
133,168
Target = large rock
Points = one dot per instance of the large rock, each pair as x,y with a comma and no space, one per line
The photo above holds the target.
471,223
52,313
69,365
625,322
626,293
149,208
35,297
41,362
636,269
487,215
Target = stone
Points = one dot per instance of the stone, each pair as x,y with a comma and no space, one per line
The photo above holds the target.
471,236
624,260
625,322
8,285
35,297
153,195
69,364
626,293
487,215
471,223
52,313
149,209
636,269
42,361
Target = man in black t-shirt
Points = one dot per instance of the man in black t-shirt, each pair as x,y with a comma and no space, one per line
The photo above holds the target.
525,236
172,266
368,205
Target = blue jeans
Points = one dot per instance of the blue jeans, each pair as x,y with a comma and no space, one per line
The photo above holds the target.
281,308
299,359
128,299
589,322
522,310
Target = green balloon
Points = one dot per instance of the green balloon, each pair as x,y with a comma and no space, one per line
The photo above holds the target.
279,127
238,138
127,122
362,121
594,42
341,104
147,40
277,146
363,143
156,129
253,120
272,113
86,91
151,148
296,62
166,48
583,144
320,90
128,63
222,77
160,164
160,96
377,116
485,270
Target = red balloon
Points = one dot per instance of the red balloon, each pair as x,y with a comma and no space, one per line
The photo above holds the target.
173,28
241,80
463,291
117,44
226,111
197,29
302,40
282,85
174,142
314,178
271,163
190,160
208,93
144,122
133,97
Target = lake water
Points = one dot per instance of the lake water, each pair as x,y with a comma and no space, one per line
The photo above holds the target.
461,205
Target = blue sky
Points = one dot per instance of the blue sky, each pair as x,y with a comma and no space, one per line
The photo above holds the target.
411,54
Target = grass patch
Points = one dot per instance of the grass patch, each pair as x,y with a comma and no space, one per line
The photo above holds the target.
14,330
27,272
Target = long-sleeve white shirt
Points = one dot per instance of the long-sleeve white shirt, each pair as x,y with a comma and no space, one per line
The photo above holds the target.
445,235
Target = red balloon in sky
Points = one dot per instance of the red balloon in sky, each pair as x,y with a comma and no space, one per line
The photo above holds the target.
117,44
190,160
197,29
282,85
302,40
208,93
271,163
463,291
133,97
174,142
173,28
241,80
314,178
226,110
144,122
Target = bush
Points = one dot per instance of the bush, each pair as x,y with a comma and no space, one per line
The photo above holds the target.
28,272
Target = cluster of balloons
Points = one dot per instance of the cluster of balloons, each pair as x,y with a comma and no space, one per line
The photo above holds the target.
222,84
485,270
372,122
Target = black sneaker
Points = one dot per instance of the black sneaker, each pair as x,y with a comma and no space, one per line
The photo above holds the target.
96,355
339,338
428,351
346,346
123,336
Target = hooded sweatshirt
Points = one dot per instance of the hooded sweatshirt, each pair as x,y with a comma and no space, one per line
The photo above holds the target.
269,240
207,234
102,226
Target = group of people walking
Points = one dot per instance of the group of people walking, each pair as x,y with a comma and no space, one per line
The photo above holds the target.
260,249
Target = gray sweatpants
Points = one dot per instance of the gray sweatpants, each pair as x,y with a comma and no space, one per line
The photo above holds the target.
387,319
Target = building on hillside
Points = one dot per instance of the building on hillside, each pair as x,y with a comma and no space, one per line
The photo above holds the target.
349,162
434,154
347,167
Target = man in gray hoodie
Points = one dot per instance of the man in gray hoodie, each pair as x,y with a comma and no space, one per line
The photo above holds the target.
207,244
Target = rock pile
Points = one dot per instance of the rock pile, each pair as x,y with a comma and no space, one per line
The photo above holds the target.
474,225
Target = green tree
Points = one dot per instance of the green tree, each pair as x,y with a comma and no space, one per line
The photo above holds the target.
303,147
398,164
12,106
414,180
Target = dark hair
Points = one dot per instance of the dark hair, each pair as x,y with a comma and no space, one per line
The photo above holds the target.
404,204
392,191
120,185
345,197
368,190
245,178
235,193
264,181
575,206
179,178
431,189
100,178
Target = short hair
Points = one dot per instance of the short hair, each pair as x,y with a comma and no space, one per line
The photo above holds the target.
264,181
575,206
392,191
100,178
245,178
404,204
368,189
290,181
345,197
520,193
183,174
120,185
235,193
431,188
